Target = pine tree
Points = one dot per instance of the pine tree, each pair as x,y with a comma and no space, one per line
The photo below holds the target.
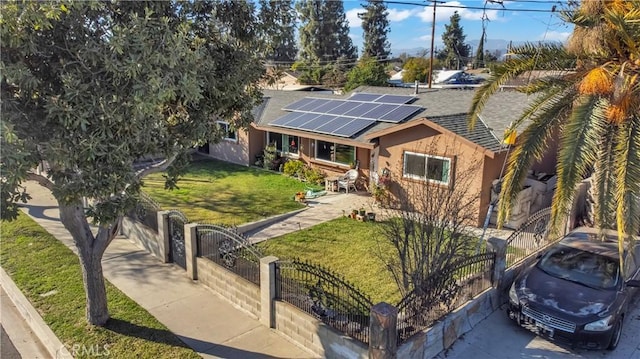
455,51
324,34
277,21
375,27
479,60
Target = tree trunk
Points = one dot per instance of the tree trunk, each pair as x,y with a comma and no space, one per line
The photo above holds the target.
97,312
90,250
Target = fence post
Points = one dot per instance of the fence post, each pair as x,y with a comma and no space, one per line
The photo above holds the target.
383,332
268,290
499,246
191,249
163,233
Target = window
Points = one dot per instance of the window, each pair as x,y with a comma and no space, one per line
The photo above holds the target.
228,133
285,144
429,168
334,152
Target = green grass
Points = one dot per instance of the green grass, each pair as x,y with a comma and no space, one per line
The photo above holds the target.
39,264
224,193
348,247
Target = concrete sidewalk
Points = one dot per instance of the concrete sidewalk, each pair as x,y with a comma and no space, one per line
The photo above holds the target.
199,317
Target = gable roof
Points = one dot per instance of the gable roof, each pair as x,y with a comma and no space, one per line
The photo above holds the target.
444,107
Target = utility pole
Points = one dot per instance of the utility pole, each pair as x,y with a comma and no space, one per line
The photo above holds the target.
433,34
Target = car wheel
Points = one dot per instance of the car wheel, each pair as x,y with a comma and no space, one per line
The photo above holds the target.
615,337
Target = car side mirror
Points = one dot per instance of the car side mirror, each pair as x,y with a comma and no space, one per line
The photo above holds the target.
633,283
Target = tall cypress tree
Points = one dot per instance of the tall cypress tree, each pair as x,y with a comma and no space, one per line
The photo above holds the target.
375,27
455,52
324,33
277,21
479,60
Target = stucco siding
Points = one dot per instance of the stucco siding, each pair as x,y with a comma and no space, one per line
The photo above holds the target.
232,151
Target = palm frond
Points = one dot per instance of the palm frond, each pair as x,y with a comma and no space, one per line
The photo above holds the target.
627,192
531,146
605,206
527,57
578,148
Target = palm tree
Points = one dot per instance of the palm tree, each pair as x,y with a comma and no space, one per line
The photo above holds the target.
593,108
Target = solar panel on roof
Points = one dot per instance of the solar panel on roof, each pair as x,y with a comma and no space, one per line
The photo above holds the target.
342,108
283,120
358,111
296,105
332,104
350,129
304,117
311,105
367,97
395,99
333,124
380,110
316,122
399,114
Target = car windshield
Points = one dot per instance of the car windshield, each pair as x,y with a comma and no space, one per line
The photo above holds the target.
576,265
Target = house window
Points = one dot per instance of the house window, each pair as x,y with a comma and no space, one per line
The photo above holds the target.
285,144
335,152
227,132
424,167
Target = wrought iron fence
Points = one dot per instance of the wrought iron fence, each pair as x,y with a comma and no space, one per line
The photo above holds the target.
146,212
228,248
176,221
532,236
325,295
449,289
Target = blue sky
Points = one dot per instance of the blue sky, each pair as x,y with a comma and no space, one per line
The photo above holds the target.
411,25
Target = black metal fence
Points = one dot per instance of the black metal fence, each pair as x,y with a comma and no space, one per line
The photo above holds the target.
229,249
146,212
325,295
532,236
449,289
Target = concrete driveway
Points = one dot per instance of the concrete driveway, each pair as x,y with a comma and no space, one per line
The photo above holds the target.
497,337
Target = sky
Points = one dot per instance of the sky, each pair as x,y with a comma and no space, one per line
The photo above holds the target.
411,25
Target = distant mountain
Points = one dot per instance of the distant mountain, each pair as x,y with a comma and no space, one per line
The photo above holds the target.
490,44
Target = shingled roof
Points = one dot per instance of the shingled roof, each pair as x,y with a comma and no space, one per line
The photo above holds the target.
444,107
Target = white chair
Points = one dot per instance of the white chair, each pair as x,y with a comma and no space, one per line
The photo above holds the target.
348,180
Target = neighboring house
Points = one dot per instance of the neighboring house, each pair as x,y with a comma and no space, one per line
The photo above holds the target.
430,131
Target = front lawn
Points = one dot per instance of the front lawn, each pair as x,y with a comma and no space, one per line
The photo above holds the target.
348,247
223,193
49,275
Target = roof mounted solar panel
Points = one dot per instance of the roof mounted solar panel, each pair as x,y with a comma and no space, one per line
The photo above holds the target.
343,108
333,125
330,105
313,104
296,105
400,113
361,109
352,128
284,120
380,110
395,99
366,97
316,122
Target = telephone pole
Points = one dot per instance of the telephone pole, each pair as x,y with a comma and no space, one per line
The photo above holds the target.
433,34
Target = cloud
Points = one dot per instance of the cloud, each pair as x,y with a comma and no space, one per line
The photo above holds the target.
352,17
555,36
396,15
445,13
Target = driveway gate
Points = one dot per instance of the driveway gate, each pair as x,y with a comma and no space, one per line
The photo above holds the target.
177,254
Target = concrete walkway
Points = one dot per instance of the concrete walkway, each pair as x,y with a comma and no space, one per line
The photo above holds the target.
199,317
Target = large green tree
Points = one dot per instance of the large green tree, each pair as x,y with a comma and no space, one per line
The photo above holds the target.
277,25
324,32
369,71
416,69
375,27
455,52
594,109
91,87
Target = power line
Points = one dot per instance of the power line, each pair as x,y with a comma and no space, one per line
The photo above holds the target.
445,5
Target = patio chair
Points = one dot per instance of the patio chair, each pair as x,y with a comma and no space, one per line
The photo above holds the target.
348,180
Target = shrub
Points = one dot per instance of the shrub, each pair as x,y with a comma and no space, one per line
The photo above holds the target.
294,168
313,175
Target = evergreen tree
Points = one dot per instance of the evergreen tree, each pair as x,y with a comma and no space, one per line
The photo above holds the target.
324,34
369,72
375,27
455,51
310,15
277,22
480,60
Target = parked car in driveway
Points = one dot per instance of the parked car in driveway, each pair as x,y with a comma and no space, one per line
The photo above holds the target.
576,292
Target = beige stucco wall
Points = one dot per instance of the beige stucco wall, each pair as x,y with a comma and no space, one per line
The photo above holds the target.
426,140
232,151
